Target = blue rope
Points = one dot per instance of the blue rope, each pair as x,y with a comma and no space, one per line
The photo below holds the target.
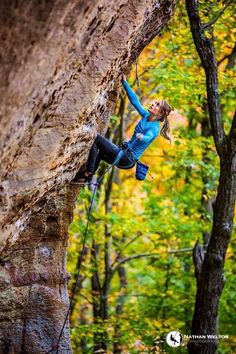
117,159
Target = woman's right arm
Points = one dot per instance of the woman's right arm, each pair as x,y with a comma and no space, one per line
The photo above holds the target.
133,98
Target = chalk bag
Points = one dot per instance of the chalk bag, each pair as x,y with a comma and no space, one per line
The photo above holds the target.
141,171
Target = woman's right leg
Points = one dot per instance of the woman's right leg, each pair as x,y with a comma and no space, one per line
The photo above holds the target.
92,159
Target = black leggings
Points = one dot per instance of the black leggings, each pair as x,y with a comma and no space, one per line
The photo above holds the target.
104,149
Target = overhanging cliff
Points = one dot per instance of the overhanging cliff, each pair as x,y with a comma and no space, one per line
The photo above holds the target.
61,63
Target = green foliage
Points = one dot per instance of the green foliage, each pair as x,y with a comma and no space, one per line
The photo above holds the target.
163,216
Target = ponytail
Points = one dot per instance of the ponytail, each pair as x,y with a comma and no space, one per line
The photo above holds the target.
165,130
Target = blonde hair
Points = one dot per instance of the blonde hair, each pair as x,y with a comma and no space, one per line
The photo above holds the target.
165,130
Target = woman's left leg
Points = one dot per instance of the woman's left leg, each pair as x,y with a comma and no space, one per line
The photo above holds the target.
104,149
107,151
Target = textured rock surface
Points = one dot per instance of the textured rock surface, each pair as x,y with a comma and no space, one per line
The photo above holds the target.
60,67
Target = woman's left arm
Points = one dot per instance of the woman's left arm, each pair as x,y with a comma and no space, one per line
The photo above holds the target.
134,99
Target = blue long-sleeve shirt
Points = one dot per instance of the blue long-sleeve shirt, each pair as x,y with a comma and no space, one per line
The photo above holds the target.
150,130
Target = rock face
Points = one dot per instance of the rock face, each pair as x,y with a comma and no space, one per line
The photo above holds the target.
60,66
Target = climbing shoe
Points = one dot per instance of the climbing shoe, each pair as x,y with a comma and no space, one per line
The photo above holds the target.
85,175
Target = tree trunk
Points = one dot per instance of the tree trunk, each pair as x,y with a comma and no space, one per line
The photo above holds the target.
60,66
117,346
211,280
210,267
96,298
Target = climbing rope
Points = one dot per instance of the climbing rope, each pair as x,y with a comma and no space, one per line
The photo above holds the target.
117,159
136,73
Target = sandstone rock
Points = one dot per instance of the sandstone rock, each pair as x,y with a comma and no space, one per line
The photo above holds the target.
61,62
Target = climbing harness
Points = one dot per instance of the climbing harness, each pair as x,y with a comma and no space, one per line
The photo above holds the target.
125,151
141,169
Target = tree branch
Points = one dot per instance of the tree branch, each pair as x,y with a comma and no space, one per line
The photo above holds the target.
86,298
232,134
205,49
217,16
181,250
127,259
125,246
232,58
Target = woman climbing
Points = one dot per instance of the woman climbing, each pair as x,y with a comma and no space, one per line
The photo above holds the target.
145,132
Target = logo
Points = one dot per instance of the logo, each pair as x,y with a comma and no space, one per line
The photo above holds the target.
174,339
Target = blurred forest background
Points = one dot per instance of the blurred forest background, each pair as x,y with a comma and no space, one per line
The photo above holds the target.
137,281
